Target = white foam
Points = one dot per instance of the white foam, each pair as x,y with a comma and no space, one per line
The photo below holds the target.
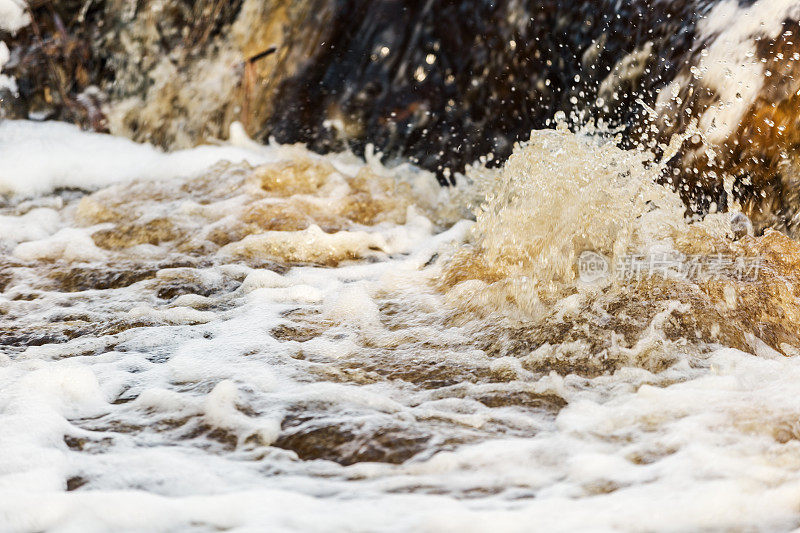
36,158
309,245
34,225
68,244
220,411
6,82
13,16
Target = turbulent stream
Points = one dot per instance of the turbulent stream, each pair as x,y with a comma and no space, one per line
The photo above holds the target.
256,337
250,338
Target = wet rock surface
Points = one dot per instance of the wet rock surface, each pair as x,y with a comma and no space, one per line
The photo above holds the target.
398,77
440,83
335,441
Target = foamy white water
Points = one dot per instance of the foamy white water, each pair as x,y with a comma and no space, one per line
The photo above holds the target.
296,342
13,16
36,158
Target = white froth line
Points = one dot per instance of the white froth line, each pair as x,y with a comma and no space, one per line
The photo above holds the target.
36,158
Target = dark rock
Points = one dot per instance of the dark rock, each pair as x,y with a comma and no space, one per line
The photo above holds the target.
76,482
447,82
83,278
346,444
439,82
442,82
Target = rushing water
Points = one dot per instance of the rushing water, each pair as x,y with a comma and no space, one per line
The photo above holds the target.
245,337
250,338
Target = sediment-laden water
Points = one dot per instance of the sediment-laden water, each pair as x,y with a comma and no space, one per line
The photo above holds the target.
250,338
597,329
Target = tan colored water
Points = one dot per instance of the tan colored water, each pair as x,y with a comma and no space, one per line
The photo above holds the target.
317,343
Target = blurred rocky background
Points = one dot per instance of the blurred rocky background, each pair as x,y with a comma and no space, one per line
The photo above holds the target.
443,82
439,82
